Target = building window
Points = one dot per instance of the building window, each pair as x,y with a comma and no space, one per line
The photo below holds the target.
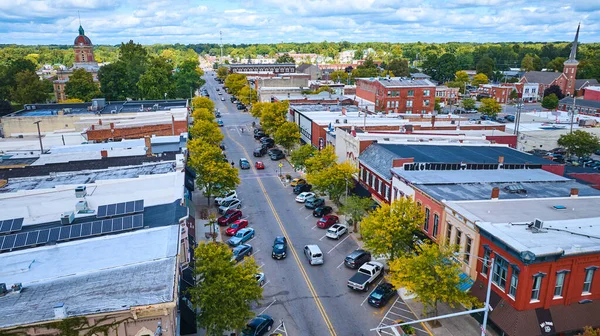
468,245
535,289
426,225
558,286
514,283
500,272
411,93
436,222
448,234
389,93
426,102
589,277
485,267
458,237
379,186
409,103
426,93
388,192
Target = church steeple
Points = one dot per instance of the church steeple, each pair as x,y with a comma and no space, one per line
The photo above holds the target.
574,48
570,69
81,32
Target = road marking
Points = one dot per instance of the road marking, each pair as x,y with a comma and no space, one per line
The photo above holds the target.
263,286
308,216
301,208
255,253
338,244
365,300
269,306
261,265
314,227
340,265
322,237
249,240
294,253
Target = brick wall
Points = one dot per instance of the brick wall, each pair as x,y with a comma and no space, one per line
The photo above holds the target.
136,132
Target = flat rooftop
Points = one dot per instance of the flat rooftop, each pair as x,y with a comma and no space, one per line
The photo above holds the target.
398,82
310,97
450,177
37,110
97,275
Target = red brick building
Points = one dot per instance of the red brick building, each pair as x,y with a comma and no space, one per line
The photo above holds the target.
447,95
499,92
592,93
101,133
398,95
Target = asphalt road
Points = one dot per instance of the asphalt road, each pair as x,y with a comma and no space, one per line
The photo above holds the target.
309,300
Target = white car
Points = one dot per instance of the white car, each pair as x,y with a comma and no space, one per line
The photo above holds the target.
304,196
222,98
231,204
228,196
260,278
336,231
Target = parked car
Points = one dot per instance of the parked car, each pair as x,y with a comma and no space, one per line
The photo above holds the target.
229,205
277,156
241,251
274,151
236,226
297,181
259,134
304,196
357,258
222,146
241,237
501,120
268,142
322,211
259,165
279,248
314,255
260,151
510,118
260,278
222,98
220,123
366,275
241,106
217,89
229,217
244,164
381,295
327,221
228,196
217,114
314,203
336,231
302,188
257,129
258,326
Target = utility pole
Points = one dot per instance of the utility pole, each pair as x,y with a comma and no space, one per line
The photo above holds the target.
572,114
40,136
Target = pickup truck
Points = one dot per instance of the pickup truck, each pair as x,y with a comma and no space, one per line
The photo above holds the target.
366,275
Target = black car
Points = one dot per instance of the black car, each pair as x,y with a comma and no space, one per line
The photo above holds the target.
259,134
270,143
241,106
260,151
322,211
300,188
381,295
217,114
279,248
357,258
257,129
274,151
259,326
232,98
277,156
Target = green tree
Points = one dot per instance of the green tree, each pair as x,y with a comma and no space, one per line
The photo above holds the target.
557,64
486,65
446,68
81,85
247,95
432,276
399,67
438,107
514,94
8,74
389,229
222,72
257,109
224,291
301,154
5,107
589,331
202,113
490,107
339,76
468,104
207,131
188,77
273,115
461,76
321,160
555,90
235,82
527,63
287,135
333,180
285,58
356,208
135,61
580,143
550,102
29,88
113,84
203,102
480,78
157,82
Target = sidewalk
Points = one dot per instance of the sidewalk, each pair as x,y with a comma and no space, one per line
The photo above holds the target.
456,326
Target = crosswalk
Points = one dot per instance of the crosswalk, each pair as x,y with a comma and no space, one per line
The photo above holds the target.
399,311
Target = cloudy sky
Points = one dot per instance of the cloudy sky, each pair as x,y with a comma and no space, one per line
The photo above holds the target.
272,21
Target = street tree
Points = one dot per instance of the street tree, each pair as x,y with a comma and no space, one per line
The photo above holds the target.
432,276
203,102
550,102
557,64
207,131
157,82
287,135
480,78
113,82
301,154
321,160
235,82
285,58
446,68
81,85
222,72
8,74
188,78
580,143
333,180
438,106
461,76
247,95
273,115
554,89
356,208
589,331
224,291
468,104
29,88
490,107
514,94
389,229
257,109
202,113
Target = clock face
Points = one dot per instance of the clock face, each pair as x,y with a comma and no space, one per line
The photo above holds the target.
80,43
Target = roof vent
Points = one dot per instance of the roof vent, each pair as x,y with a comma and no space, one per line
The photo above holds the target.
516,188
80,192
81,206
537,225
60,311
17,287
67,218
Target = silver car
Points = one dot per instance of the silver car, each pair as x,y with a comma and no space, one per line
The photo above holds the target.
229,205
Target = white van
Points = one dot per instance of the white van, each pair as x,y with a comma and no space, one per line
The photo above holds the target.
314,255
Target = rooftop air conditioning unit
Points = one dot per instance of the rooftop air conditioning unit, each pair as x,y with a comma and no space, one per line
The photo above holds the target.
538,224
81,206
67,218
337,121
80,192
345,121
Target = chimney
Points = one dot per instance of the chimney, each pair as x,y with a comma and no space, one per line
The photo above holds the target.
100,122
172,125
574,192
433,120
104,153
148,145
408,129
495,193
501,159
112,126
60,311
93,127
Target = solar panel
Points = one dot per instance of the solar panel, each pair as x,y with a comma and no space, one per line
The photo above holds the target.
121,209
65,233
54,233
118,224
107,226
11,225
1,241
86,229
127,223
139,206
111,210
101,211
43,236
138,221
20,240
76,231
96,228
9,242
118,209
129,207
17,224
5,226
32,238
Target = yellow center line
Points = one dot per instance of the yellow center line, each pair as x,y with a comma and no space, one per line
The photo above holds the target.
291,246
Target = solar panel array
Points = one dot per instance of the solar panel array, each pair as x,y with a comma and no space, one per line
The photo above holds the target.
119,209
69,232
11,225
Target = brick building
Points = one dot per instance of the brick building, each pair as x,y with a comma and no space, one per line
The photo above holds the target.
102,133
398,95
592,93
276,68
499,92
447,95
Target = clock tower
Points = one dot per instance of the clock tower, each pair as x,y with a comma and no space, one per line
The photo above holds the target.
83,48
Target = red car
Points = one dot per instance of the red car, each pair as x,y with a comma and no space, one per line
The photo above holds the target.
229,217
259,165
327,221
236,226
